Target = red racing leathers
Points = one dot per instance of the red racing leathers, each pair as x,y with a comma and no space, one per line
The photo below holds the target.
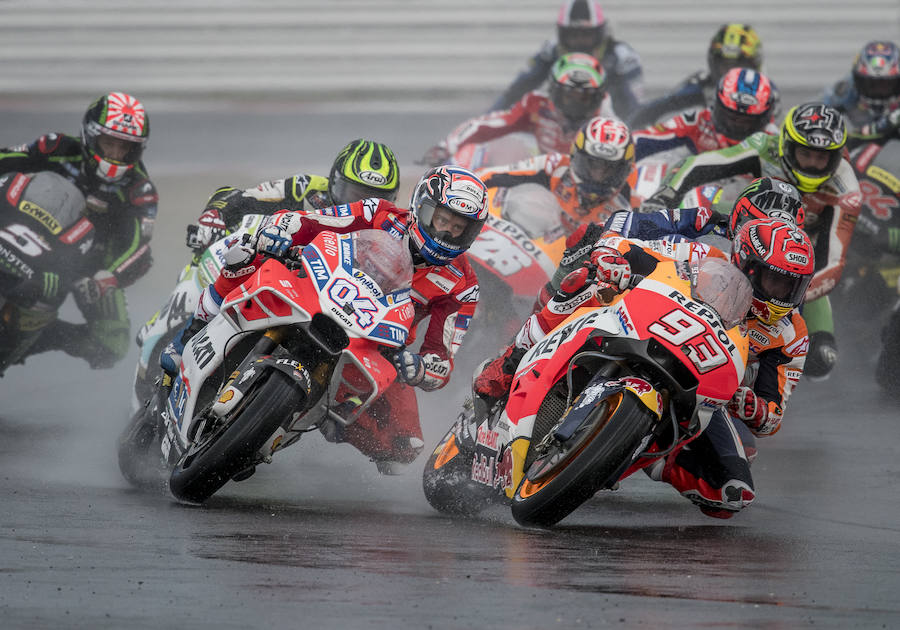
447,294
534,114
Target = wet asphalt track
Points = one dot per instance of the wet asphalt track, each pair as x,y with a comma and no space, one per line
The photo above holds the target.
319,539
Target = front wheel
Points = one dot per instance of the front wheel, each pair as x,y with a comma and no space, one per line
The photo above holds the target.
229,448
614,431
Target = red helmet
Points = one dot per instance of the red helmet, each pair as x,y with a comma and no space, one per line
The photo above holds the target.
745,99
777,257
767,198
581,27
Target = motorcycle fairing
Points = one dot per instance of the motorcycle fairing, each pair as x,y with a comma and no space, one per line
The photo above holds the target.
505,250
634,315
351,296
180,304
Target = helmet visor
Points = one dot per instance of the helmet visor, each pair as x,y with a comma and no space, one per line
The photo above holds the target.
810,161
878,88
344,190
576,103
736,125
598,176
116,148
447,227
770,284
581,38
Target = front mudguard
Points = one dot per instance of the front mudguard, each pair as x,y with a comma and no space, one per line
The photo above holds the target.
251,370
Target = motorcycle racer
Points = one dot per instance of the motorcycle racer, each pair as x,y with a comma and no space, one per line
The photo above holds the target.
870,97
363,169
808,153
105,164
733,46
447,211
743,105
582,27
589,182
575,91
777,257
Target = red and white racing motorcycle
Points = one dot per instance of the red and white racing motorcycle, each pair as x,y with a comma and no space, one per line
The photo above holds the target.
298,345
608,392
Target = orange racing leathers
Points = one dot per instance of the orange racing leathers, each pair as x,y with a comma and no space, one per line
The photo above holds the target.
553,171
447,294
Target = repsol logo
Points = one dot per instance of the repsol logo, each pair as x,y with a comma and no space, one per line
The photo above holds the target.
706,315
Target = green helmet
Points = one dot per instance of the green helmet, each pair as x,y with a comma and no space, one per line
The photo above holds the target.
364,169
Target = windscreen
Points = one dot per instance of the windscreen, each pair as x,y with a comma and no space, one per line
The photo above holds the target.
721,286
384,258
533,208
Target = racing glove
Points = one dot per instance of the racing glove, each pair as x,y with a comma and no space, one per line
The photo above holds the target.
89,291
665,198
612,268
436,155
410,367
749,408
277,238
108,330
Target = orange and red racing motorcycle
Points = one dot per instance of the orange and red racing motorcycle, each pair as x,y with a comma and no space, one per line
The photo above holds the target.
608,392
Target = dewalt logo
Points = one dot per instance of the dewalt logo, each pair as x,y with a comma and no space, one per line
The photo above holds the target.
46,219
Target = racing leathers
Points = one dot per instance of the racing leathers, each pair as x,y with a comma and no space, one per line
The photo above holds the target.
123,214
831,215
534,114
714,471
227,206
864,122
690,132
698,91
553,171
389,431
624,74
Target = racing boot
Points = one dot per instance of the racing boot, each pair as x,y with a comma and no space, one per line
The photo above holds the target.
208,307
821,357
494,378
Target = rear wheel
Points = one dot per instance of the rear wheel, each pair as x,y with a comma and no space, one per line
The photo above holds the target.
447,478
610,437
230,446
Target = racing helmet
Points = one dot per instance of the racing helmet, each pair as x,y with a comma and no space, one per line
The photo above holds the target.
448,209
777,257
581,27
767,198
876,76
114,132
364,169
733,46
602,158
577,86
744,102
812,136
